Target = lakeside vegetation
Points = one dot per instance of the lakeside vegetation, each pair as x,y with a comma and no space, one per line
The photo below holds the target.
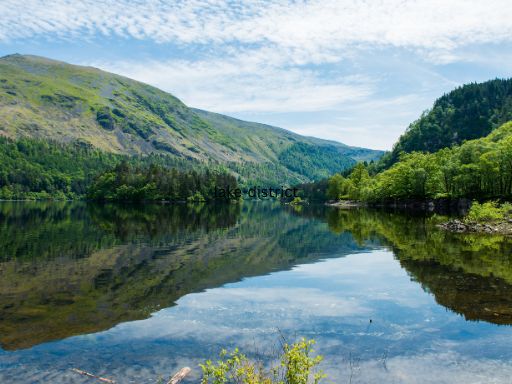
477,169
154,182
489,217
36,169
469,112
490,211
296,366
461,148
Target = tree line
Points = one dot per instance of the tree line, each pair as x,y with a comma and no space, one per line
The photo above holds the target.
468,112
41,169
127,182
477,169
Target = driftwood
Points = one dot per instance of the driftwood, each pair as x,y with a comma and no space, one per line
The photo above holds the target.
79,371
180,375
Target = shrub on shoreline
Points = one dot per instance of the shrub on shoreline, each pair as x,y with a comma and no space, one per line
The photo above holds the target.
297,366
490,211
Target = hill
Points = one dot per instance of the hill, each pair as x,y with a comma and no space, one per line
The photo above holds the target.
48,100
468,112
477,169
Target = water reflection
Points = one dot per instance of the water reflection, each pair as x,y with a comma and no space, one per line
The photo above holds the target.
73,268
470,274
77,269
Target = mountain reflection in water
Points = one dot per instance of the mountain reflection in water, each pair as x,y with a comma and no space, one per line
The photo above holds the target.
75,268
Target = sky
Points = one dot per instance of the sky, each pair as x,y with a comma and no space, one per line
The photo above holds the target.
358,72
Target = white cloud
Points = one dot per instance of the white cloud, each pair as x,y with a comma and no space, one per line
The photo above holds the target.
271,56
309,30
246,83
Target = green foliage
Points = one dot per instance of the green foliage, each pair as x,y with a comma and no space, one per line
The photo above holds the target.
154,182
297,201
469,112
358,181
298,364
488,212
479,169
338,187
313,161
352,187
35,169
296,367
233,367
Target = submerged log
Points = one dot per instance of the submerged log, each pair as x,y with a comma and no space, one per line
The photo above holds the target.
180,375
79,371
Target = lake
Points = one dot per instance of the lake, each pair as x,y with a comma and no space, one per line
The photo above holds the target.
134,293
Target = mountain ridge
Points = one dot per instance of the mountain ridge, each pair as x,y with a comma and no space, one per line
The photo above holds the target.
45,99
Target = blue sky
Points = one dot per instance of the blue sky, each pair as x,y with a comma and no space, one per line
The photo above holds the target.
353,71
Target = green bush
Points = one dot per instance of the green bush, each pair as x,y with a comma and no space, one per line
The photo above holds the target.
296,367
297,201
488,212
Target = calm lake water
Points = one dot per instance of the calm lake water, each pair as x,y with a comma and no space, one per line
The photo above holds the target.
135,293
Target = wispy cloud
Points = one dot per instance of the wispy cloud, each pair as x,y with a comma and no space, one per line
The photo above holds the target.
309,30
246,83
336,57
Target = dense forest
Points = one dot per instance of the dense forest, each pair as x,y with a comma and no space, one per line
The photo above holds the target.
315,161
469,112
154,182
478,169
36,169
461,148
42,169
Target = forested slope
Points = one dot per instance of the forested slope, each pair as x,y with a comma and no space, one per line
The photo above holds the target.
468,112
478,169
46,101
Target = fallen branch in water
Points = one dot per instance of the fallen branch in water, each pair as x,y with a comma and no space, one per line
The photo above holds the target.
79,371
180,375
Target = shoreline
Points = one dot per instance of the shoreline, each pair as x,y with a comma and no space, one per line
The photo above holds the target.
345,204
458,206
496,228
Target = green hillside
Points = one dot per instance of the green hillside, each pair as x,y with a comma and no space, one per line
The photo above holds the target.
42,99
462,148
466,113
479,169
